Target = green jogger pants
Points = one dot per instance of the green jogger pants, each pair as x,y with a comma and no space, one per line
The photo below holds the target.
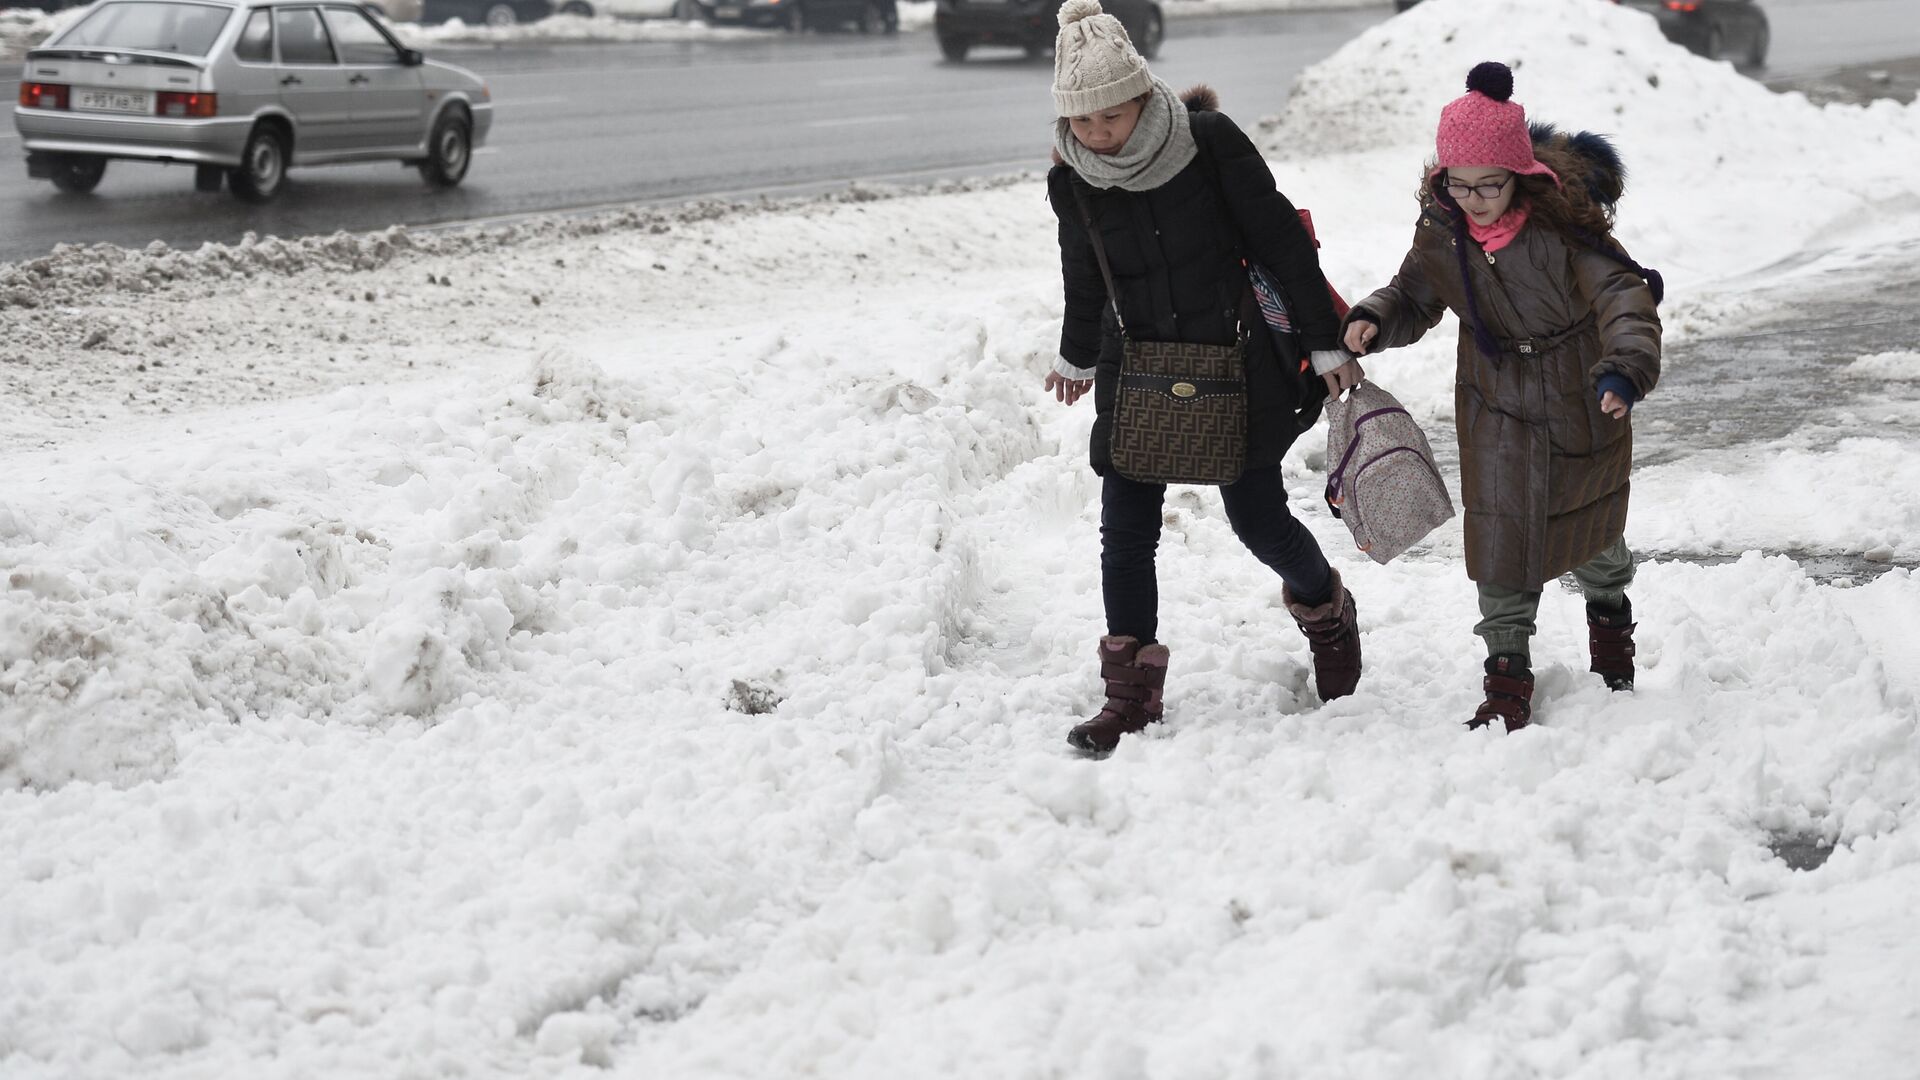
1507,615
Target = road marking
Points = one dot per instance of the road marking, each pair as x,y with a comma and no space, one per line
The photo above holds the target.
864,80
853,120
8,135
516,102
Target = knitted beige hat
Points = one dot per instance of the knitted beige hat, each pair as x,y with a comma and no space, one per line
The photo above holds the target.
1095,65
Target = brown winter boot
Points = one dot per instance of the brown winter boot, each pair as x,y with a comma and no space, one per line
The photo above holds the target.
1333,633
1610,643
1509,686
1135,674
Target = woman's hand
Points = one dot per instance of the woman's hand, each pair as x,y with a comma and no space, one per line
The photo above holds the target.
1360,335
1065,389
1613,405
1344,378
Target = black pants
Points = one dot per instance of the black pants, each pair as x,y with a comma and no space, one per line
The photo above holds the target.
1256,507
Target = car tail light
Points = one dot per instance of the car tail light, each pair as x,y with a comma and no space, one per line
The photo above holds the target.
41,95
175,103
1688,6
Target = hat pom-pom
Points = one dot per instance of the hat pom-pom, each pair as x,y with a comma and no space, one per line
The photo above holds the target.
1491,78
1074,10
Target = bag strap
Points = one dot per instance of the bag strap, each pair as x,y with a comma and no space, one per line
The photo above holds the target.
1099,250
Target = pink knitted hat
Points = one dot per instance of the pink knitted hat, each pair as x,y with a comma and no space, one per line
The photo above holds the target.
1483,127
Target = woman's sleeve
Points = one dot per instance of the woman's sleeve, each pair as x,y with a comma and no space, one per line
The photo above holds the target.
1084,288
1405,308
1629,323
1271,228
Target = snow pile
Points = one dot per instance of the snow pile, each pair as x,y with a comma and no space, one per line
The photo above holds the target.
21,29
1904,366
1725,176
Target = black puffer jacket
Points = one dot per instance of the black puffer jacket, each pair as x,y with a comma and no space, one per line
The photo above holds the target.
1175,252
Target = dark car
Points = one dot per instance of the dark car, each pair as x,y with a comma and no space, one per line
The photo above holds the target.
1032,24
1734,30
486,12
866,16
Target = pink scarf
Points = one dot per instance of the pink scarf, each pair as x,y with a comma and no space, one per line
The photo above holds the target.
1501,233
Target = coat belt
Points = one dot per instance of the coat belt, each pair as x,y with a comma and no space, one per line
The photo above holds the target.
1540,346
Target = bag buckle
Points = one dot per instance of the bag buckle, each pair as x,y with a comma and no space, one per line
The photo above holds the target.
1524,347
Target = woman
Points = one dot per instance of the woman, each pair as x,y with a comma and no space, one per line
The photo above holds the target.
1558,338
1179,197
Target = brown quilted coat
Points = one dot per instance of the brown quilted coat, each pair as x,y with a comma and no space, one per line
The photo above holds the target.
1543,472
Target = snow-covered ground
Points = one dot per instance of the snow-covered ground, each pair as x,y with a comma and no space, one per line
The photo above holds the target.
643,643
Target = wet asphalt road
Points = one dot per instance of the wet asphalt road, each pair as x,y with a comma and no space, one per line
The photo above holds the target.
592,125
597,124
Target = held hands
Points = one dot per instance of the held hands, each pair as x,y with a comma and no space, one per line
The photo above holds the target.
1345,377
1613,405
1360,335
1067,390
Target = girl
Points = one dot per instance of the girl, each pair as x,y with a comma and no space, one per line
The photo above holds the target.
1177,192
1558,339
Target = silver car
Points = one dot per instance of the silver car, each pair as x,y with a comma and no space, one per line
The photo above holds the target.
242,89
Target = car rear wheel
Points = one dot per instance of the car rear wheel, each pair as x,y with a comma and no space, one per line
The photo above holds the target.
1716,45
500,15
263,166
77,174
688,11
870,18
1757,54
208,178
449,152
954,48
1152,33
796,20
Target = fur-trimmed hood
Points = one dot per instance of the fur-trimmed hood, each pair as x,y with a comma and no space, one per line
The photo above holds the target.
1200,98
1582,157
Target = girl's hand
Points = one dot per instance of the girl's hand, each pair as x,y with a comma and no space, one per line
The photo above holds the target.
1065,389
1613,405
1360,335
1344,378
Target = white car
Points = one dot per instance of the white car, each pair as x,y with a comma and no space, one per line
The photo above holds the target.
242,90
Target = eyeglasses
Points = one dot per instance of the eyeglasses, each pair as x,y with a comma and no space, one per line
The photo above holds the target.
1485,191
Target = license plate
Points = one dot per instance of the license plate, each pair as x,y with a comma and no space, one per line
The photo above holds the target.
120,101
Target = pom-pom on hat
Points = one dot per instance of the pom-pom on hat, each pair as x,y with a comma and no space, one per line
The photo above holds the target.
1486,127
1095,65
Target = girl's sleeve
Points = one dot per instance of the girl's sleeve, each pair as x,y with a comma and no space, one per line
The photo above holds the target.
1084,288
1405,309
1271,228
1629,323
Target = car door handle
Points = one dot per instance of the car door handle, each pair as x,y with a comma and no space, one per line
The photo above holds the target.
358,80
291,80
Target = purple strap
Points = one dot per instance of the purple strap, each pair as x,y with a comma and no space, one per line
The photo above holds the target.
1333,479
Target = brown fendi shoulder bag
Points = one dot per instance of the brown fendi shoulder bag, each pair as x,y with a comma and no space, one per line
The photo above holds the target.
1180,416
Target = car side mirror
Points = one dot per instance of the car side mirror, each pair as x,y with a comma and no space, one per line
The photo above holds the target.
412,57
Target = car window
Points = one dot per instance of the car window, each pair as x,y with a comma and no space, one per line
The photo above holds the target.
148,25
358,39
256,39
302,39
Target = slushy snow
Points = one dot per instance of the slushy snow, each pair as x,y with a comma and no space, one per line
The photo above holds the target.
648,652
